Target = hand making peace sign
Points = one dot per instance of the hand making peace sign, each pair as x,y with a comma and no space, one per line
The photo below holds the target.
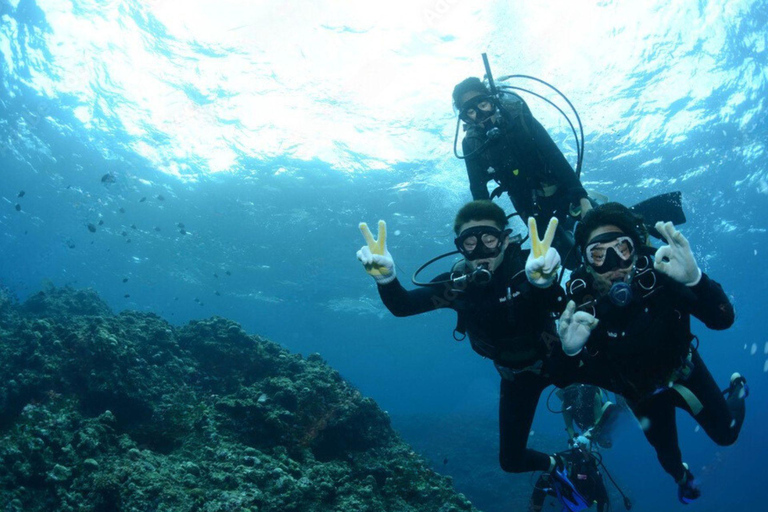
375,257
543,261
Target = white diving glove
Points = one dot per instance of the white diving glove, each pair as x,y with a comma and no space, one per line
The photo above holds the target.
676,259
375,257
543,261
574,329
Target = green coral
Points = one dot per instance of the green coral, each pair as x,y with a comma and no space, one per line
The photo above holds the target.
127,413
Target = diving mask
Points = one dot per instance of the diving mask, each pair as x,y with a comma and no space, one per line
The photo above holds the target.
481,242
609,251
477,109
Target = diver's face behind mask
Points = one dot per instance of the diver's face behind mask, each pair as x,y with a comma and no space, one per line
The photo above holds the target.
482,244
476,108
610,256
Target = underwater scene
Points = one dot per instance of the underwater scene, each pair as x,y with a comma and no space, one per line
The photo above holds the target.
426,255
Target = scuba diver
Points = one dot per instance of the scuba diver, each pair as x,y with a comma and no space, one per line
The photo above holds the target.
506,299
588,408
627,325
581,467
503,142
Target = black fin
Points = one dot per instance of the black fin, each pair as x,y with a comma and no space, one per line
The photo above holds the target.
662,208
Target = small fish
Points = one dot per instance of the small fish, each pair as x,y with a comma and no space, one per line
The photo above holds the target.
128,241
124,233
181,225
197,300
183,231
216,276
125,279
108,178
122,210
228,273
101,222
133,226
127,295
70,244
445,461
157,228
18,207
160,197
142,199
217,293
91,228
21,193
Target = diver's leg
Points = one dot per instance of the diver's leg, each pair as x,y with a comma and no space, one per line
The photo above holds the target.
656,415
517,405
540,492
721,418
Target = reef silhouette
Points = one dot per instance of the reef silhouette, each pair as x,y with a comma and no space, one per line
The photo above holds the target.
105,412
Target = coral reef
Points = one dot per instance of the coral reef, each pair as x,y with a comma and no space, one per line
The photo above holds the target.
104,412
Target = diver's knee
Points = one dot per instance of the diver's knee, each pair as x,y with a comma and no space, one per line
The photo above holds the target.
512,464
726,438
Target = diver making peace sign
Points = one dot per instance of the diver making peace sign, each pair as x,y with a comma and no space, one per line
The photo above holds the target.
506,299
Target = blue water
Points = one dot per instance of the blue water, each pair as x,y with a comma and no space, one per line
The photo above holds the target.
268,131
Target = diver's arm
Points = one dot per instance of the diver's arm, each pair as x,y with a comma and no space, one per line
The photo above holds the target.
597,409
556,163
401,302
711,304
568,419
476,171
550,300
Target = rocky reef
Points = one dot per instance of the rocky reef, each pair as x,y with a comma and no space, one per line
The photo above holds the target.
104,412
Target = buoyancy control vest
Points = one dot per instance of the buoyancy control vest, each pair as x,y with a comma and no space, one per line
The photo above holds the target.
644,344
502,321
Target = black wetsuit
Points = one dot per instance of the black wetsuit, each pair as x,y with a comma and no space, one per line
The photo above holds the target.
644,351
510,322
528,165
585,475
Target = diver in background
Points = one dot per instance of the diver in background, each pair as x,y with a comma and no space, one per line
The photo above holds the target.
590,410
632,334
505,143
506,299
582,469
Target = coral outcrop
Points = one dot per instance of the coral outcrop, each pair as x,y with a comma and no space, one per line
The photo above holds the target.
104,412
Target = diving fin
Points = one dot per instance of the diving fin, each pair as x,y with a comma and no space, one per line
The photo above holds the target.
567,494
662,208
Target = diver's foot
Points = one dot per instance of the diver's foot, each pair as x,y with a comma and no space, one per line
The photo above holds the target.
738,385
687,489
